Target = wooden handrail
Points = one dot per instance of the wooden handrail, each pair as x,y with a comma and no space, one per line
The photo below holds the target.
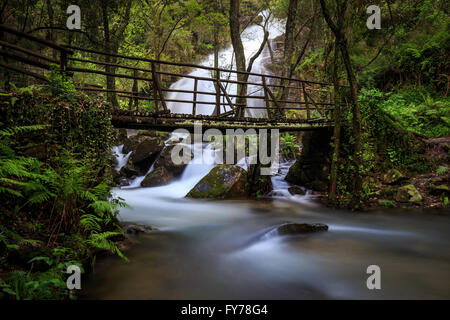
189,65
309,90
35,39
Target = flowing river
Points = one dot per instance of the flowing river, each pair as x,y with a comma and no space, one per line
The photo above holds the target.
225,250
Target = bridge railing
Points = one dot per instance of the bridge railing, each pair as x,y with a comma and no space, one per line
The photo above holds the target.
146,84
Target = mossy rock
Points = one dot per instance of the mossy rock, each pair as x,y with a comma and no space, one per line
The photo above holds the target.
154,133
387,193
147,149
393,176
225,181
408,193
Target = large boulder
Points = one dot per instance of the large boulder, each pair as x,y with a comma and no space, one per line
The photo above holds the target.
408,193
131,143
145,153
165,160
259,185
225,181
158,177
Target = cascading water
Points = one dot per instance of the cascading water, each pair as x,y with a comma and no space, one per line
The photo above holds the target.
121,158
252,38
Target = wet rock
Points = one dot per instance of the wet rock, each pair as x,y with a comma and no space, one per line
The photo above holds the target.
296,190
147,150
393,176
135,229
259,185
165,160
158,177
130,170
300,228
224,181
408,193
123,182
131,143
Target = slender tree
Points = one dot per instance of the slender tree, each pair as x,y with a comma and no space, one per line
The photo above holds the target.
241,66
342,43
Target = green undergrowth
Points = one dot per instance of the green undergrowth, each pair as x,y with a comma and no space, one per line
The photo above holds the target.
55,178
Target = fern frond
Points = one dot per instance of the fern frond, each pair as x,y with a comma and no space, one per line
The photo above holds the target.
101,241
90,222
21,129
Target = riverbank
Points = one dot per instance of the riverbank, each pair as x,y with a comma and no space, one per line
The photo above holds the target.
406,155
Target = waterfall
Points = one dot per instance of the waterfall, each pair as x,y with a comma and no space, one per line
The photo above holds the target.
252,38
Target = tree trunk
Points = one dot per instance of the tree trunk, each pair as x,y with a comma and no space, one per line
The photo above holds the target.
288,46
216,60
337,130
51,35
342,43
110,80
235,31
356,125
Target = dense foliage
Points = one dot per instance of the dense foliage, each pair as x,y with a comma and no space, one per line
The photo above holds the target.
54,188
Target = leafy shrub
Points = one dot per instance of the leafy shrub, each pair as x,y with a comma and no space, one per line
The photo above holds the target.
288,146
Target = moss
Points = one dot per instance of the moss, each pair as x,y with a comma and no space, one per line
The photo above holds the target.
223,181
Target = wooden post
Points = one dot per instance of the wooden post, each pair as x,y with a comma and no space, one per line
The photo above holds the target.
226,94
155,76
83,66
266,98
63,62
306,102
155,93
135,90
272,96
194,103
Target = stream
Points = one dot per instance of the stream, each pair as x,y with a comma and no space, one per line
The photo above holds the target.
226,250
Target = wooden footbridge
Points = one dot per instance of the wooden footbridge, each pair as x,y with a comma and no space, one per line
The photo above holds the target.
219,98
